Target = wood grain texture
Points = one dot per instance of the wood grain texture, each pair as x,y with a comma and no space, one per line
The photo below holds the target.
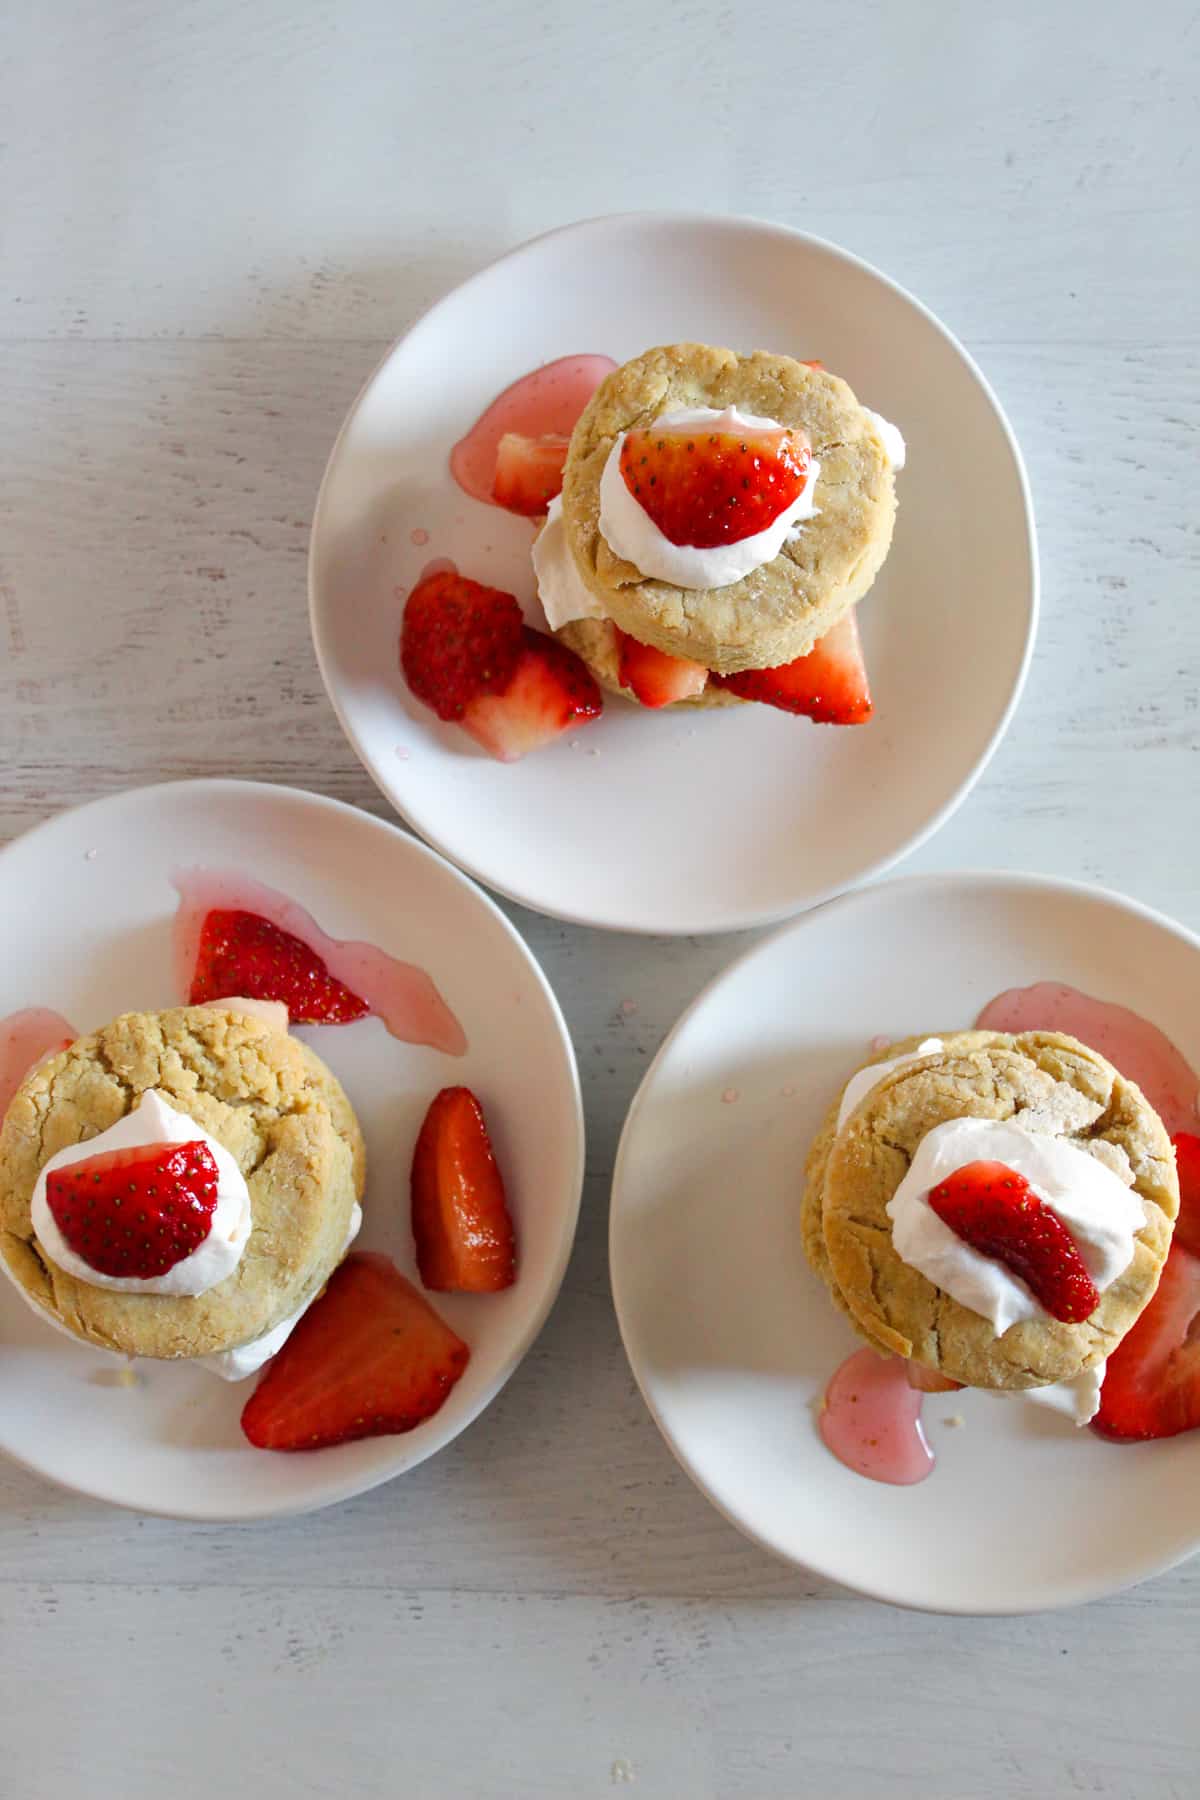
214,217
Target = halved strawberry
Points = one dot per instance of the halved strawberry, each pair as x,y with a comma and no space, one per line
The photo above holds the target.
705,488
1187,1161
368,1359
459,640
528,472
137,1212
657,679
996,1211
242,955
828,685
549,691
1152,1382
460,1218
928,1381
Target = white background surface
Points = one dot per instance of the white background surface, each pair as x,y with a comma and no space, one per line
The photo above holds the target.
214,217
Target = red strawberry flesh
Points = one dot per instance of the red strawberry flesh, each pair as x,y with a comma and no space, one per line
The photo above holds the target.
528,472
1152,1382
136,1213
243,954
370,1358
828,685
550,691
996,1211
654,677
1187,1161
459,640
460,1218
705,488
929,1381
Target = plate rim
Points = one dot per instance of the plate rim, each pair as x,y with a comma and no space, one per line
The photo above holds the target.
1083,1592
744,920
351,1487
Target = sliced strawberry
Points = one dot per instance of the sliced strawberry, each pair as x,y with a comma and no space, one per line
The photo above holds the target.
368,1359
997,1212
657,679
528,472
1152,1382
241,955
460,1218
814,362
707,488
459,640
550,691
928,1381
136,1213
828,685
1187,1161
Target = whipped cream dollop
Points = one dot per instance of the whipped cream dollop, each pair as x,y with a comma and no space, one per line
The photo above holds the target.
1077,1399
246,1359
154,1121
631,533
1101,1213
894,447
860,1085
560,586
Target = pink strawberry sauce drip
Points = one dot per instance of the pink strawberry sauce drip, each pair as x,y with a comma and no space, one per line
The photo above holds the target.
546,401
401,994
1138,1049
27,1038
871,1420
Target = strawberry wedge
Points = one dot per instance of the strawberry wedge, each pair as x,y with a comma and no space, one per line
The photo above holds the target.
466,654
529,472
655,678
828,685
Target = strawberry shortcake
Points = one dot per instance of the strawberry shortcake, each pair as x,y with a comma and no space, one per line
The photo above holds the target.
720,516
995,1209
180,1184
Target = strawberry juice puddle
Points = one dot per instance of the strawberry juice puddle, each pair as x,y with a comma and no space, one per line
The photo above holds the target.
1138,1049
545,403
871,1418
402,995
27,1038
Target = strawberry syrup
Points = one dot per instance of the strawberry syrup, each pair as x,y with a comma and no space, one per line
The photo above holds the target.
545,402
26,1039
402,995
1138,1049
871,1420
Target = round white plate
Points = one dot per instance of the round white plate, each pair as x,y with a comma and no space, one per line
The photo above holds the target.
733,1339
97,943
683,822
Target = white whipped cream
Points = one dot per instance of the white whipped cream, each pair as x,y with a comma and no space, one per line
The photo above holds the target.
632,534
247,1359
153,1121
1101,1213
1078,1399
894,447
559,584
860,1085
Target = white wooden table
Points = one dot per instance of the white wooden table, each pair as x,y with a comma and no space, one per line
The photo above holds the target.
214,218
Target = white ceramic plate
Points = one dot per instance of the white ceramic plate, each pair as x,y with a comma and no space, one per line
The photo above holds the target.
682,823
97,943
731,1336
